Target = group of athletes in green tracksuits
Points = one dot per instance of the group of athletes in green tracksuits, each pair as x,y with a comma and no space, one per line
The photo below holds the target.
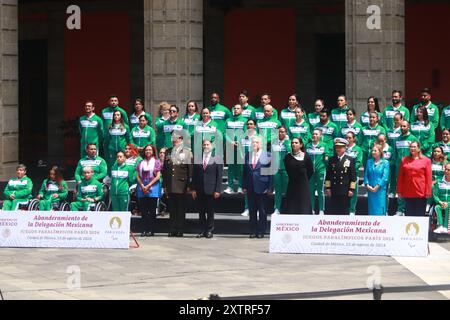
395,128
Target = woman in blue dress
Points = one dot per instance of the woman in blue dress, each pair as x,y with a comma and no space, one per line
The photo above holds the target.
376,178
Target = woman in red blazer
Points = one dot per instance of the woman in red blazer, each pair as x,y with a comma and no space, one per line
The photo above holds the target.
414,181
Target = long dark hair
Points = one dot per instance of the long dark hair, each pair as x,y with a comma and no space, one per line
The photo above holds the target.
424,110
58,176
300,140
122,122
377,105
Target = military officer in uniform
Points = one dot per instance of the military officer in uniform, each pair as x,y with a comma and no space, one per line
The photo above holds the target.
177,177
340,180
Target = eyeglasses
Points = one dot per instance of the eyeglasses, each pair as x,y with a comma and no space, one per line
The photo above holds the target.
172,110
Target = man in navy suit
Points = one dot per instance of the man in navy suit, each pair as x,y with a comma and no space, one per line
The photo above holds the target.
257,184
207,186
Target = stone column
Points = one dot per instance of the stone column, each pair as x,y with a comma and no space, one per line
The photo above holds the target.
9,89
375,58
173,52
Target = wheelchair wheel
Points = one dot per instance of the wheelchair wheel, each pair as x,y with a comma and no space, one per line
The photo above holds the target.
64,206
100,206
33,205
106,198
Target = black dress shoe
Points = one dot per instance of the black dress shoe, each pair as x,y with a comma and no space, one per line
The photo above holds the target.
150,234
179,235
172,234
209,235
252,236
144,234
201,235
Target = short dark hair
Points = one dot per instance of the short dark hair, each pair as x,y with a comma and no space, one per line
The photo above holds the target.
398,91
244,92
325,110
113,96
266,94
141,102
352,110
174,106
426,90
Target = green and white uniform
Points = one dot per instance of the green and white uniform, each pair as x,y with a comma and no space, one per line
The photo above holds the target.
122,177
48,189
259,113
445,118
425,134
389,113
329,132
354,127
118,137
220,114
107,117
97,164
267,128
302,130
369,136
91,131
133,162
356,153
21,188
339,117
365,119
313,118
445,147
134,119
433,113
392,135
287,117
160,137
401,150
190,122
87,189
235,131
168,127
319,154
248,112
143,137
441,192
204,130
279,151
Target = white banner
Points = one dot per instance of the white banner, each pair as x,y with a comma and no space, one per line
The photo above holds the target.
66,229
354,235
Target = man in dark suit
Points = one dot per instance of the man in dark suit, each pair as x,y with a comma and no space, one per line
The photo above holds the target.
206,188
257,184
340,180
177,177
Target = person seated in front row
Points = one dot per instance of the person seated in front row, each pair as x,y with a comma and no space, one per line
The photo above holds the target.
18,190
53,191
89,192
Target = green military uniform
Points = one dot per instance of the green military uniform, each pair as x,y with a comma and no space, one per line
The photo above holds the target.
235,131
134,119
122,177
267,128
48,189
339,117
302,130
313,118
369,136
445,118
365,119
329,132
281,180
356,128
259,113
389,113
143,137
355,153
107,117
319,155
118,137
160,137
21,189
425,134
441,192
401,151
248,112
97,164
91,131
433,114
87,189
168,127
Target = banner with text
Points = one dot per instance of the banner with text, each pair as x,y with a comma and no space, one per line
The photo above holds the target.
66,229
355,235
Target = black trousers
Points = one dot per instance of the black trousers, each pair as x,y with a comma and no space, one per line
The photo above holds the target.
148,210
337,205
257,203
177,207
415,207
206,206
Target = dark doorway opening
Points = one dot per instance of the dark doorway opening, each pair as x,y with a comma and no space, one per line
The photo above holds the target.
33,101
330,66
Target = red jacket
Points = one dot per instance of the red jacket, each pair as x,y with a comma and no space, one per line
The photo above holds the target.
414,178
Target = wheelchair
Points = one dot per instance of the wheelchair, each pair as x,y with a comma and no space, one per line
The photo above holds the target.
433,225
106,199
33,205
98,206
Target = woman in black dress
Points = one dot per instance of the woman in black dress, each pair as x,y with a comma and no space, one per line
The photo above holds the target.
299,168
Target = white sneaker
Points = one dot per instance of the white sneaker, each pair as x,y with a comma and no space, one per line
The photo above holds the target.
321,213
240,190
444,230
399,214
438,229
228,191
276,211
314,213
352,213
245,213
